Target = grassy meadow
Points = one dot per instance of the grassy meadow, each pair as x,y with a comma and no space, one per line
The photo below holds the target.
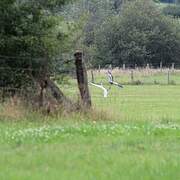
134,133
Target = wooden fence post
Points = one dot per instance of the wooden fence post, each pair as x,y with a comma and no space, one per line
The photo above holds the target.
168,76
99,69
3,94
110,67
42,84
135,66
132,76
161,65
82,79
173,65
147,66
92,76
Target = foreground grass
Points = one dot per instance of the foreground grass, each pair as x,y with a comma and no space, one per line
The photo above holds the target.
84,150
136,103
141,140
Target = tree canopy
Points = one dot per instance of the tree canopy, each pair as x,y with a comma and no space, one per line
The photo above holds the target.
31,34
35,33
140,34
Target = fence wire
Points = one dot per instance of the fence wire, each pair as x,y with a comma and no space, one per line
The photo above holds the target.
134,79
137,76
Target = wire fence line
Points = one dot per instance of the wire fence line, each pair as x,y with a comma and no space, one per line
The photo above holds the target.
107,94
137,76
21,77
133,65
65,75
126,74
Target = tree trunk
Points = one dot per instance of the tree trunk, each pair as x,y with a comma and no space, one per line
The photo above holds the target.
59,96
82,80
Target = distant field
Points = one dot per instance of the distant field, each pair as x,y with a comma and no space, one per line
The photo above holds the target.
151,100
141,139
139,76
146,103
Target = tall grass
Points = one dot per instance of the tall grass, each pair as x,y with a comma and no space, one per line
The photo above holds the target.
132,134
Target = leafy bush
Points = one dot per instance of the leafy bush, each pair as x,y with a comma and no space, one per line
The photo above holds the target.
32,30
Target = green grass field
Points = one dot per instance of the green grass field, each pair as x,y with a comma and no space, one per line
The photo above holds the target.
140,76
141,139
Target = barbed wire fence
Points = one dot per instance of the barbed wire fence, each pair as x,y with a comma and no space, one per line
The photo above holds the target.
100,85
68,72
149,86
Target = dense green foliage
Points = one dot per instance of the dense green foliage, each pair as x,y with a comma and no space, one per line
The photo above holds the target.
110,32
131,32
31,33
139,35
93,13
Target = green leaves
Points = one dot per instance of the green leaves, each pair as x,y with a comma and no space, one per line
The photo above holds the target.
32,29
140,34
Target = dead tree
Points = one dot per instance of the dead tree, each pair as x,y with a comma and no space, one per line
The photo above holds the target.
41,94
57,93
82,80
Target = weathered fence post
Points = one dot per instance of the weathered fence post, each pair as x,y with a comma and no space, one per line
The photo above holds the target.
173,65
92,76
99,69
41,93
168,76
135,66
110,67
3,95
124,67
161,65
147,66
82,79
132,76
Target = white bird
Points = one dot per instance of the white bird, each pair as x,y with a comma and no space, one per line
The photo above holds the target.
105,91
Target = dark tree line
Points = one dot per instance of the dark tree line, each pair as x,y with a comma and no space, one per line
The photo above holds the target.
128,31
141,34
32,37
